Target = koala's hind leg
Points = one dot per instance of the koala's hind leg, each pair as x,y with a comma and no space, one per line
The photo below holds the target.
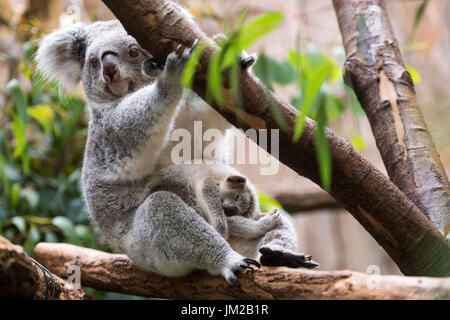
171,239
278,248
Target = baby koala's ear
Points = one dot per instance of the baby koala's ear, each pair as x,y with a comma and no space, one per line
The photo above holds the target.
237,182
61,55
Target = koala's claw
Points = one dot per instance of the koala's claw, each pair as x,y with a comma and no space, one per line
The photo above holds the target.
252,262
178,49
194,45
236,267
177,59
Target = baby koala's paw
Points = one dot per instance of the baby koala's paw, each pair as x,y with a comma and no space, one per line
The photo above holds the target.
270,220
177,59
237,263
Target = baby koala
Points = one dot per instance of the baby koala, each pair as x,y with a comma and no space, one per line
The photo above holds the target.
267,236
228,201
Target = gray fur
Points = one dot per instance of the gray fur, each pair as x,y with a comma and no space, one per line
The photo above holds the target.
129,126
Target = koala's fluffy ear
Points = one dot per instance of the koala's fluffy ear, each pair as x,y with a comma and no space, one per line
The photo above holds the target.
61,55
236,181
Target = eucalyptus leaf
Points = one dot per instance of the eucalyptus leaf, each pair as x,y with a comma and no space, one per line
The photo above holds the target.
66,226
20,223
259,27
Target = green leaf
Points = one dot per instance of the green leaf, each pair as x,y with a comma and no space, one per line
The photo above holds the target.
334,107
358,142
31,196
19,99
415,75
419,15
66,227
268,203
33,237
19,223
191,65
19,129
323,149
81,231
214,84
310,98
269,71
44,115
15,192
50,237
258,27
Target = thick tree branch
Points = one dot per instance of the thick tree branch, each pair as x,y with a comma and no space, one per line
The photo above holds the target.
385,212
376,71
115,272
22,278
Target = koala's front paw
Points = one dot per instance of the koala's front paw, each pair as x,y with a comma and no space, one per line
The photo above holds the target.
237,263
177,59
270,220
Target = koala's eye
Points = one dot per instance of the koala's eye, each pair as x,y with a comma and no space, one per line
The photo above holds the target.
134,52
94,62
236,197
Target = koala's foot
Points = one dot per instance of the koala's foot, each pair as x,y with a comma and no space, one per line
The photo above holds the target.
246,61
276,257
237,263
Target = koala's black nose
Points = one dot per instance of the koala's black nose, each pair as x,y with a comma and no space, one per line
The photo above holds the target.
229,209
110,63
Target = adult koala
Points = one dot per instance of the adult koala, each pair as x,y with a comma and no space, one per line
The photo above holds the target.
133,103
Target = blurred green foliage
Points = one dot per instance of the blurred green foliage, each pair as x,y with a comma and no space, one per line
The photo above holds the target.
42,139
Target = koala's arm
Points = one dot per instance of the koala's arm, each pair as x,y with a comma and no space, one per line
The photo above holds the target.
150,110
249,228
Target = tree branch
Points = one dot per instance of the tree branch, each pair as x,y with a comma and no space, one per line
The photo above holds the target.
294,201
22,278
115,272
375,69
385,212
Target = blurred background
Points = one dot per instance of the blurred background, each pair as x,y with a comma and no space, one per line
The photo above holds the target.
43,131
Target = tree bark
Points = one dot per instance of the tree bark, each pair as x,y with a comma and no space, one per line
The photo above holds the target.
375,69
22,278
115,272
294,201
385,212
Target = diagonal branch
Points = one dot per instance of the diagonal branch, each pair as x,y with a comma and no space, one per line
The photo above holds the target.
115,272
384,87
385,212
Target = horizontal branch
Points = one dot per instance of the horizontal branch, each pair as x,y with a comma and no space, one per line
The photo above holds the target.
295,201
115,272
384,211
22,278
